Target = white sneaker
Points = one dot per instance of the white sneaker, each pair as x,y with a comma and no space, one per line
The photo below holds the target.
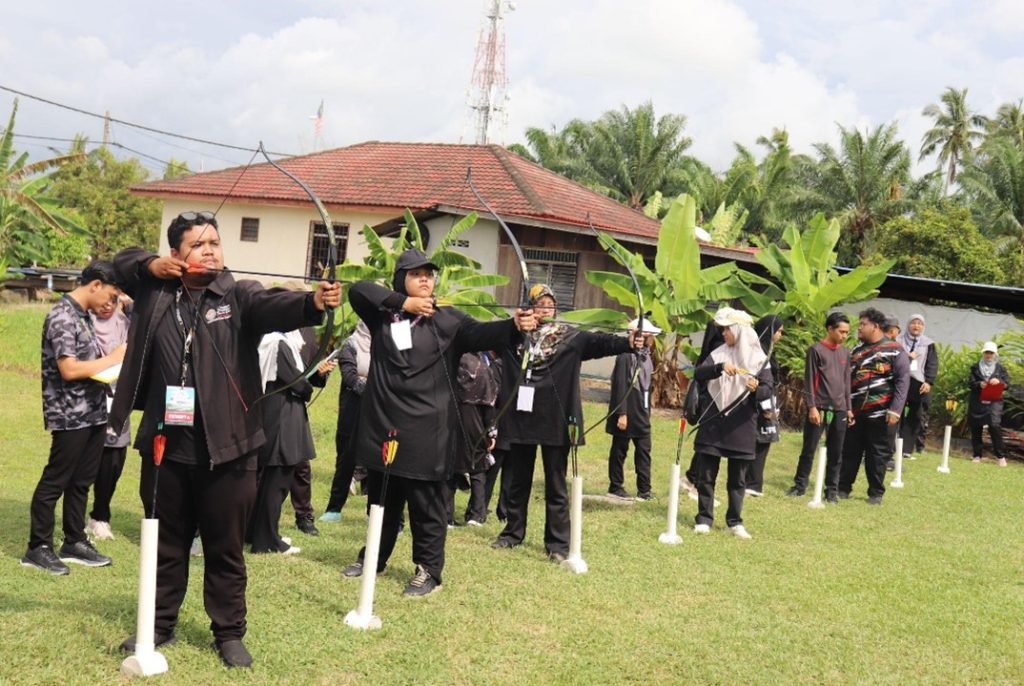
292,550
701,528
908,458
1002,463
740,532
197,547
754,494
473,522
353,487
99,530
287,540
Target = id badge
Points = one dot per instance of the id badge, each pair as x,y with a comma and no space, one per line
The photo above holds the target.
524,401
647,400
401,334
180,406
913,365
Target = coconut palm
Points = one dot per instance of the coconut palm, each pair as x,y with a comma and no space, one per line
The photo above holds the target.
954,134
993,184
861,184
1009,122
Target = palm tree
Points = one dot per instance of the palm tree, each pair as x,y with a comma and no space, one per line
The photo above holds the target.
560,151
955,131
861,184
993,184
1009,122
632,152
27,214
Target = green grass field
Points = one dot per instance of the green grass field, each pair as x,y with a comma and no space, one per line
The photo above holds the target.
928,588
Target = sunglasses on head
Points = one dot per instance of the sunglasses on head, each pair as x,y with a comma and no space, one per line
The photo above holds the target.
197,218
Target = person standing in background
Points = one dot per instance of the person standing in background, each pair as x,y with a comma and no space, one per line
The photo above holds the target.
924,368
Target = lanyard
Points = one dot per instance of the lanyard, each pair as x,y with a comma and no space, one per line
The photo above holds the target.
188,335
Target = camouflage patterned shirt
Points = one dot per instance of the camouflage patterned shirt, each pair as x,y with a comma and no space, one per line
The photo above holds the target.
70,405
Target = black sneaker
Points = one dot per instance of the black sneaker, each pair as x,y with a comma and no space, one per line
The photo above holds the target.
502,543
42,557
843,495
890,466
875,500
128,644
618,493
421,584
795,492
832,499
306,526
556,557
83,553
353,570
646,495
233,653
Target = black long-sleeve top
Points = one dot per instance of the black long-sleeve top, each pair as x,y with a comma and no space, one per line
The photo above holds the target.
733,435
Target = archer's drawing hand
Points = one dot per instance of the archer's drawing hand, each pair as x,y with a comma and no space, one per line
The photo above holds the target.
729,369
752,383
168,267
423,307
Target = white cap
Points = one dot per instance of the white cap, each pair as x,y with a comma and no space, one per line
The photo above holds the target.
649,326
990,347
727,316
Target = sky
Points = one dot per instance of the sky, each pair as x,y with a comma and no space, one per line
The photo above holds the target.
244,71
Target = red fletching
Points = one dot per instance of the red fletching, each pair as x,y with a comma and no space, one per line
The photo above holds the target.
682,425
159,443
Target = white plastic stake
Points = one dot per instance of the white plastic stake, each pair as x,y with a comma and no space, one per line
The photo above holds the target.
819,479
670,536
146,661
947,437
575,562
898,481
362,617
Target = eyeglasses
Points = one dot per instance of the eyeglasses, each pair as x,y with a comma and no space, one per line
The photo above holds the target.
193,218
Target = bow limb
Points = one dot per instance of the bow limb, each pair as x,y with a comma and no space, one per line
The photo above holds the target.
332,273
613,248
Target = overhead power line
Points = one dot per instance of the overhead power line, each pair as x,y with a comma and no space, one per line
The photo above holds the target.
111,144
134,125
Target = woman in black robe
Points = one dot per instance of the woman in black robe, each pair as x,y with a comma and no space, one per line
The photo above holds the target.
547,401
987,375
409,403
769,330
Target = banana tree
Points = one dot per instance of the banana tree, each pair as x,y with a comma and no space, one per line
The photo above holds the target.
459,280
679,294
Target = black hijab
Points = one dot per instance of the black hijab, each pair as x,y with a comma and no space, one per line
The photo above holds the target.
766,327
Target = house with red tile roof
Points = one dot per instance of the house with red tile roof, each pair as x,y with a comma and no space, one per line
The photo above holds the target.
269,224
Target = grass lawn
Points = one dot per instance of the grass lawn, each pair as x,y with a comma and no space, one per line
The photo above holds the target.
928,588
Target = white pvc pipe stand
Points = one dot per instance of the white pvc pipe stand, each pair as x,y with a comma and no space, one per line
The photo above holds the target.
146,661
947,437
819,479
362,617
898,481
670,536
575,562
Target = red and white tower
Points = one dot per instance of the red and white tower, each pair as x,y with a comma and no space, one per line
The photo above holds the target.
487,94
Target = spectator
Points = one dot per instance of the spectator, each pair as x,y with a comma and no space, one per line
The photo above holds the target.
988,381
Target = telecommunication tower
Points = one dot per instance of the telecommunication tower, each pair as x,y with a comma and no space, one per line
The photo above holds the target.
487,94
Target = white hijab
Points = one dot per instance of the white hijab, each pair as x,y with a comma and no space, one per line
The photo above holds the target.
747,355
268,353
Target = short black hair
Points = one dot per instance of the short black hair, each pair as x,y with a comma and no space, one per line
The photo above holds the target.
875,316
179,225
101,270
834,319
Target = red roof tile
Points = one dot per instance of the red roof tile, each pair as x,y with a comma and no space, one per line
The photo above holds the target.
419,176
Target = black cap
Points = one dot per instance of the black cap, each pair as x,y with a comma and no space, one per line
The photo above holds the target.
413,259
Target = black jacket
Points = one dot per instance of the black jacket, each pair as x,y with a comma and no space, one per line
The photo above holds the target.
733,435
633,401
978,411
411,391
236,315
556,381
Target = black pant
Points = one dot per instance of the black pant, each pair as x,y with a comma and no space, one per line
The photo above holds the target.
641,459
835,435
273,487
519,466
476,508
755,472
344,468
71,471
302,491
111,465
736,484
492,478
427,519
995,432
869,442
218,502
915,421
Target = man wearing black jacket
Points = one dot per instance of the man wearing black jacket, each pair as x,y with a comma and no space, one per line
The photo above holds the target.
192,367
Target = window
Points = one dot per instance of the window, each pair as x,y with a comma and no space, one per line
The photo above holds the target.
316,253
250,229
555,268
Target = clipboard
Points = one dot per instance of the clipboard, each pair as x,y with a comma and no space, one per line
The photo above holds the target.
992,392
108,375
